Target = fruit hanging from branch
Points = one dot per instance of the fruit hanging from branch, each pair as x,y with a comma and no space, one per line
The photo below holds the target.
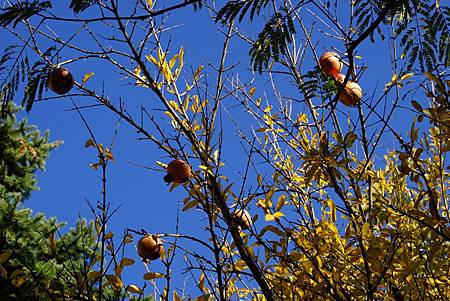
178,171
150,247
330,63
351,94
242,218
339,78
60,80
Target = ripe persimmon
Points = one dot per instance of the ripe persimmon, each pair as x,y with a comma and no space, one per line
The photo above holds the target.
351,94
242,218
150,247
330,63
60,80
178,171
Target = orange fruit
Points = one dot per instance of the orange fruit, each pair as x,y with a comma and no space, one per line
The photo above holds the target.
150,247
351,94
178,171
330,63
60,80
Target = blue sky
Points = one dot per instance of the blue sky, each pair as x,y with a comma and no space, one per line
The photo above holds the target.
142,194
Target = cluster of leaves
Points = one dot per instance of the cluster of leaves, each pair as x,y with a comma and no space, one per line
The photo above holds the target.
22,10
427,40
275,37
395,217
19,71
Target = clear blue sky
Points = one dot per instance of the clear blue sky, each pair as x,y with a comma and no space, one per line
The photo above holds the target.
144,197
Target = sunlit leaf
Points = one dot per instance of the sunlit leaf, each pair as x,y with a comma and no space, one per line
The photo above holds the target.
87,76
153,275
134,289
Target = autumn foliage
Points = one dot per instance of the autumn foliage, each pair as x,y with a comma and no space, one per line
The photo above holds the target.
294,195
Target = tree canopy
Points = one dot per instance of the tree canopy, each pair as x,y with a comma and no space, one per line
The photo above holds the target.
336,198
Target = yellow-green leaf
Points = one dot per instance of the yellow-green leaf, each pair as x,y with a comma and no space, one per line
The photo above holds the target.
365,231
92,275
190,205
134,289
126,261
114,281
87,76
152,275
406,76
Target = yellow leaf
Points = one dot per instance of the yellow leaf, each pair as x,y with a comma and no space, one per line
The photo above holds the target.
166,72
15,273
181,58
94,165
278,214
98,227
406,76
175,296
281,202
201,281
150,4
151,59
108,154
87,76
5,255
114,281
240,265
109,235
197,72
173,60
128,239
151,275
134,289
89,143
332,210
394,78
52,240
252,91
269,217
365,231
19,281
190,205
3,272
92,275
126,261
